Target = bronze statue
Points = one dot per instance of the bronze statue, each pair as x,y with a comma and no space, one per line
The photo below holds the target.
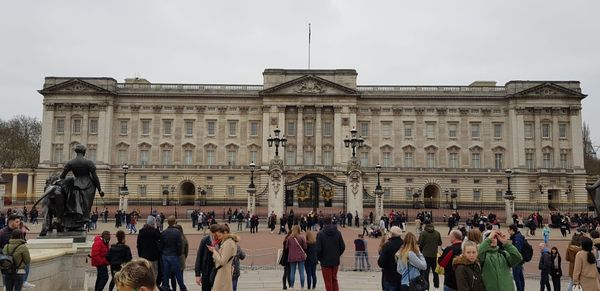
594,192
67,202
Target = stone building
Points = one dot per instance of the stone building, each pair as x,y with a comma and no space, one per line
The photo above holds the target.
438,141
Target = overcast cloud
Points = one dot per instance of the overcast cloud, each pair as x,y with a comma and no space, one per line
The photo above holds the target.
387,42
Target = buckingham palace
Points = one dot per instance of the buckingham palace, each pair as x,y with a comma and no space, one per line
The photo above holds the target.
194,142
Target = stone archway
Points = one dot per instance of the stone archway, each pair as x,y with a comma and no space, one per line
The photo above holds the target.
187,191
431,196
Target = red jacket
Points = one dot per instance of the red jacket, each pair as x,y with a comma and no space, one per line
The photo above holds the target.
99,252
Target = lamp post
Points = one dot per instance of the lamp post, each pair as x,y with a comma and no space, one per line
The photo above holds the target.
378,192
508,196
251,189
541,187
353,141
173,192
277,141
123,203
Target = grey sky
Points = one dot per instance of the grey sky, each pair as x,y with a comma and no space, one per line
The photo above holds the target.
387,42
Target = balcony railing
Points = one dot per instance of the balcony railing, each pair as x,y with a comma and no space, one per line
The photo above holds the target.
430,89
187,87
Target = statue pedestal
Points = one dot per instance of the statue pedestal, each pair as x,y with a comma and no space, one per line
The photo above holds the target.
58,264
74,236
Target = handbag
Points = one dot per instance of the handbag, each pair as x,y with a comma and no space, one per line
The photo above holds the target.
303,252
439,269
418,283
577,288
283,260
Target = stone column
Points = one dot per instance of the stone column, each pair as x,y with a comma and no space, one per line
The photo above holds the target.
29,186
354,188
318,137
338,147
576,137
276,187
266,127
300,136
14,186
47,134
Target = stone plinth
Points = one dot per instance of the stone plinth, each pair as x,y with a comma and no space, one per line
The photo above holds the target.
58,264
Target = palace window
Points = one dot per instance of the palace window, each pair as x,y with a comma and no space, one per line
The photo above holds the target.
408,192
143,190
57,155
498,130
188,157
530,158
145,127
528,130
231,157
562,130
167,156
210,156
76,126
386,128
231,190
291,128
290,156
211,127
387,158
91,152
328,157
364,158
189,128
122,156
476,194
452,129
430,130
564,160
167,127
498,161
546,130
363,129
232,127
327,128
144,157
431,160
253,128
547,158
309,128
453,160
408,159
408,132
93,126
499,196
60,126
123,127
475,130
476,160
254,156
309,158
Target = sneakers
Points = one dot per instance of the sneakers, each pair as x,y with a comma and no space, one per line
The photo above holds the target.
28,285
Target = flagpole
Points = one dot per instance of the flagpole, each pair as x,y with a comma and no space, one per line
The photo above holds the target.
309,46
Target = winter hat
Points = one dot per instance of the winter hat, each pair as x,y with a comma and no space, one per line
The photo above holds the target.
395,231
151,220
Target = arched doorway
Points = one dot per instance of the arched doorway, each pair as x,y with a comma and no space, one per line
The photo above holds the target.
431,195
188,193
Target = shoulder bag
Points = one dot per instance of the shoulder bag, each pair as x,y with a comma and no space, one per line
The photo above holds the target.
303,252
418,283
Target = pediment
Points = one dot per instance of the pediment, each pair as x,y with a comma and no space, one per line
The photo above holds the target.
549,90
309,85
75,86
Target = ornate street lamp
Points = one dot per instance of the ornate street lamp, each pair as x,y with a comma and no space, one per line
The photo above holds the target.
173,192
378,191
354,141
541,187
508,193
124,191
251,189
277,141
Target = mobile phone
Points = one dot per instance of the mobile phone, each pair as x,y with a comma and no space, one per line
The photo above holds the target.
495,226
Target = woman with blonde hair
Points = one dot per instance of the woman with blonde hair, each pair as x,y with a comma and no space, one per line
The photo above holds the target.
296,255
311,259
410,261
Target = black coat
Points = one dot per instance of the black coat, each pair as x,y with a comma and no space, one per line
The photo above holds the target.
118,254
311,254
387,259
171,242
148,243
453,251
204,260
330,246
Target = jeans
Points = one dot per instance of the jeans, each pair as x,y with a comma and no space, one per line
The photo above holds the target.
556,283
446,288
101,278
518,277
293,266
391,286
234,282
570,286
361,260
13,282
311,275
113,270
286,275
431,264
330,278
545,281
171,264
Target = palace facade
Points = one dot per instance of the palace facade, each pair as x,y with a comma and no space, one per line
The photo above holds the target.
190,142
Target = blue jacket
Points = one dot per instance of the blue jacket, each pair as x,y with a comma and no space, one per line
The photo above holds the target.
171,242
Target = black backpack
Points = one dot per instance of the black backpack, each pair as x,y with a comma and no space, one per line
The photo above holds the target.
527,252
8,265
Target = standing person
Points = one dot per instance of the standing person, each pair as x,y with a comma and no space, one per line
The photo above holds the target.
556,269
545,266
496,262
282,222
467,269
359,250
429,242
171,245
14,222
204,261
410,261
148,244
311,260
240,255
184,254
284,262
387,261
519,242
296,255
330,247
99,252
118,254
585,273
133,223
223,260
445,260
546,234
20,253
572,250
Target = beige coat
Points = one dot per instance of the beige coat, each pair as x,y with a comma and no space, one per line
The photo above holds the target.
584,273
228,249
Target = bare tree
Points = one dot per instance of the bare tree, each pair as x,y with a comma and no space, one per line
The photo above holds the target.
20,139
590,161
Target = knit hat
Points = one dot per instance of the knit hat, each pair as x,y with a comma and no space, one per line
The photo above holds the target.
395,231
151,220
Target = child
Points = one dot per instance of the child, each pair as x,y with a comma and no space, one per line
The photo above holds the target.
546,233
467,268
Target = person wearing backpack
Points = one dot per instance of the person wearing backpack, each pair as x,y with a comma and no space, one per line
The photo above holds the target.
526,251
17,253
118,254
